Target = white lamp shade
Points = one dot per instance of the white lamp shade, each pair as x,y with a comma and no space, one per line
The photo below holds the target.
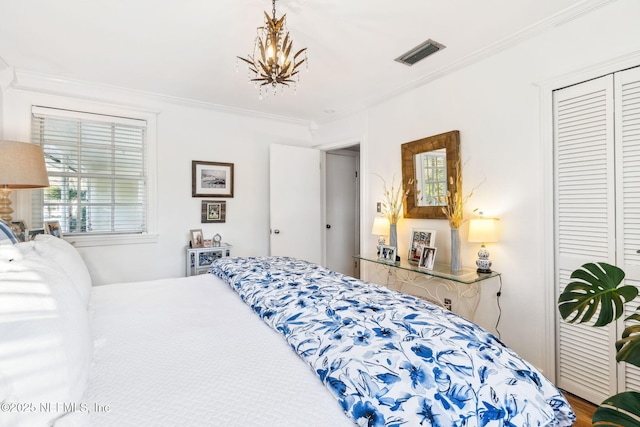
22,165
380,226
483,230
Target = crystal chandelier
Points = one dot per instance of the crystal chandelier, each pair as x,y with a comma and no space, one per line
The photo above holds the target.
272,62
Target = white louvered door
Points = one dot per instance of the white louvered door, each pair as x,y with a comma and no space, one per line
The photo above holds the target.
597,213
585,226
627,108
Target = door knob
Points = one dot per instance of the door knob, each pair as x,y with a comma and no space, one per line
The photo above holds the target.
276,231
328,225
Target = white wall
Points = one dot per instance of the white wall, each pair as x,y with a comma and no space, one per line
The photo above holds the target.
184,133
495,104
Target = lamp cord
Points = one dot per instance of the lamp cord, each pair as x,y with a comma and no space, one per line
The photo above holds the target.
499,308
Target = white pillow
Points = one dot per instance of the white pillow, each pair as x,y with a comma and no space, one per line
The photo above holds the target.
64,255
46,346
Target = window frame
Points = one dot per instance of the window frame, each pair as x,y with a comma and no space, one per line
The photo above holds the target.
151,235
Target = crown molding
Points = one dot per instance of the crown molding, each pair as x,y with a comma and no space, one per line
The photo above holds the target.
567,15
53,85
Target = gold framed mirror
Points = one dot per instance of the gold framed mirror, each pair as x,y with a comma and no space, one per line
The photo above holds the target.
430,165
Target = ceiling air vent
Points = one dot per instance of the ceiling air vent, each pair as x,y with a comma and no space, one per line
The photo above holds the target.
420,52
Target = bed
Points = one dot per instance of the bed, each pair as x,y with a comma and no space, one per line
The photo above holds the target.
256,342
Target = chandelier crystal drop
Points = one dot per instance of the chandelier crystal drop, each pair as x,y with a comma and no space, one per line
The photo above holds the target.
272,61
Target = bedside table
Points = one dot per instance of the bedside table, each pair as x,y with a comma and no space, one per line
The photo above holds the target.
199,259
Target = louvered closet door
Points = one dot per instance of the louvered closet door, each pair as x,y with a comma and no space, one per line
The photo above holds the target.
627,107
585,226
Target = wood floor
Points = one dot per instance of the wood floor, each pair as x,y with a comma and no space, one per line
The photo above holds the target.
584,410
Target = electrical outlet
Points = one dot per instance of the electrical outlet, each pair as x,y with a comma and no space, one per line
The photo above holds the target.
447,304
379,207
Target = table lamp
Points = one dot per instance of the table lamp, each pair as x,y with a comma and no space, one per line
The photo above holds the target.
381,229
483,230
21,166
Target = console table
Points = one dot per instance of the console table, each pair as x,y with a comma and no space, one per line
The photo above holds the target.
458,291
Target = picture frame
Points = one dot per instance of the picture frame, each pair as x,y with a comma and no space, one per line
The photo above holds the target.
387,253
211,179
420,238
207,243
427,258
20,228
213,211
197,241
33,232
52,227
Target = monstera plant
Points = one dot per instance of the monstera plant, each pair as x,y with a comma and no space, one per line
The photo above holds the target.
598,286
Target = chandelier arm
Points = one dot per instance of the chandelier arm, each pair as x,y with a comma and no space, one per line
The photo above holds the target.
296,66
245,60
298,53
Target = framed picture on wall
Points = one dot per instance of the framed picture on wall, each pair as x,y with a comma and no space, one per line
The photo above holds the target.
427,258
420,238
211,179
213,211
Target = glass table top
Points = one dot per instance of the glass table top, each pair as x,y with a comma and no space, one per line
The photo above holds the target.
440,270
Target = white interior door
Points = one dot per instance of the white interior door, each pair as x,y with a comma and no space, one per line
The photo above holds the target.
627,135
342,212
585,226
294,200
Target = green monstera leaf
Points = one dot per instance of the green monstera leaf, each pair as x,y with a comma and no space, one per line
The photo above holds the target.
593,286
628,347
622,409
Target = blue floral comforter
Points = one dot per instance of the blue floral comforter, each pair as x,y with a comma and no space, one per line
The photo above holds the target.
391,359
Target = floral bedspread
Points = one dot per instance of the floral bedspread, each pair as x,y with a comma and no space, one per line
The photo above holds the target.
392,359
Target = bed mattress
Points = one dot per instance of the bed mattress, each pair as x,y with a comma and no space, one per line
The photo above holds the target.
189,352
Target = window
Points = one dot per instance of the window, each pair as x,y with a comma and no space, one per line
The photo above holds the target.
97,169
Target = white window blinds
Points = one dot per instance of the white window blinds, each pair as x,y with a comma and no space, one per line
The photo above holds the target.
97,172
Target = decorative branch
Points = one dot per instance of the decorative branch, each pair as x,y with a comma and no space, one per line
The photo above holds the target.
393,199
453,205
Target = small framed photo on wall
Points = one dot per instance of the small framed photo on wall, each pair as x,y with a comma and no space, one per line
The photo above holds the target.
427,258
211,179
213,211
420,238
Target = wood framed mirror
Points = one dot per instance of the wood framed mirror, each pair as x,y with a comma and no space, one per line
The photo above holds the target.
430,164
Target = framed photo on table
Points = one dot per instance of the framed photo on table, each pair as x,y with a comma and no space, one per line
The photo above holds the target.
197,241
20,228
427,258
32,233
53,228
211,179
420,238
387,253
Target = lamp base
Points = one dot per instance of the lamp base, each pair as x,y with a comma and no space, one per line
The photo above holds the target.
5,204
483,262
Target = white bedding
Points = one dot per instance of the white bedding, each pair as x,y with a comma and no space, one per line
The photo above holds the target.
189,352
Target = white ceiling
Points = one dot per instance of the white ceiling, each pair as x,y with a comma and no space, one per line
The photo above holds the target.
187,48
